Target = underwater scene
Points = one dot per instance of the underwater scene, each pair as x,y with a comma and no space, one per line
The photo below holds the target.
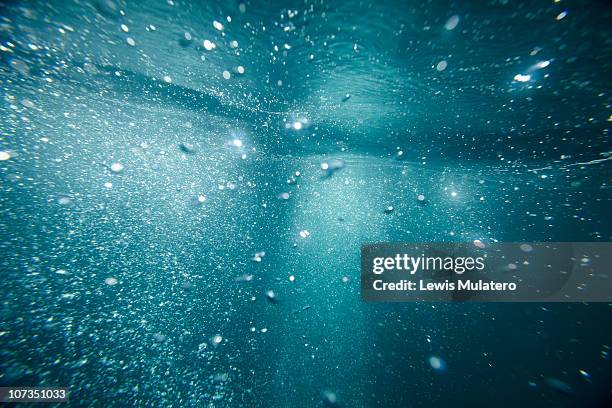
185,188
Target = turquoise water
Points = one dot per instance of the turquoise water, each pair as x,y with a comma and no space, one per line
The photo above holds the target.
186,187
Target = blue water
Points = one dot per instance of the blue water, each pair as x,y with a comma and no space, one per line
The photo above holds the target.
172,233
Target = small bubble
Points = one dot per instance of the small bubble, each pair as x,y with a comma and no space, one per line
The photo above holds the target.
27,103
111,281
522,78
258,256
226,75
271,296
218,25
329,398
4,156
437,363
208,45
131,41
441,66
452,23
116,167
64,201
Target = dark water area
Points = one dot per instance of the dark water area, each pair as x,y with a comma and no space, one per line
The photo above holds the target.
185,188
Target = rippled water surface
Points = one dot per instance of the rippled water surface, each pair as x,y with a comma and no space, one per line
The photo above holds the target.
185,187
